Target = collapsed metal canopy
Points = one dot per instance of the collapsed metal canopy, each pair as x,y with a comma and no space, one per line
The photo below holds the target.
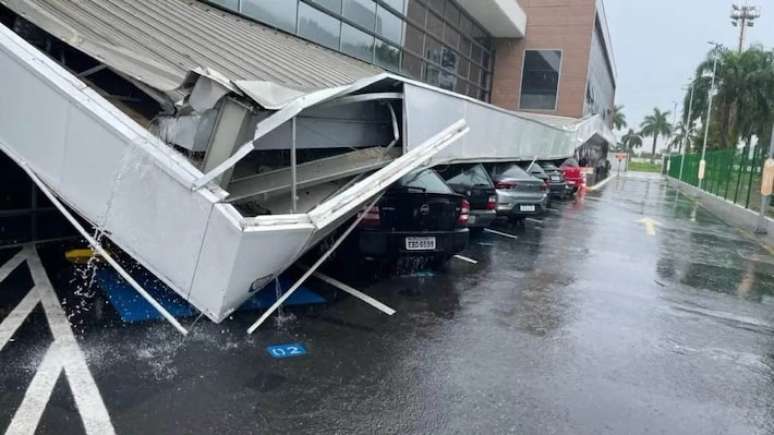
158,42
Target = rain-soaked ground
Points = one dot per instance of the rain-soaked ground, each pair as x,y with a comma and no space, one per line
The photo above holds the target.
586,324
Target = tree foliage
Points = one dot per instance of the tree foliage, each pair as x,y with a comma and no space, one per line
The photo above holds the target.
655,125
744,104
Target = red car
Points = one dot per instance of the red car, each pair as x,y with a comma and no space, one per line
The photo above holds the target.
572,174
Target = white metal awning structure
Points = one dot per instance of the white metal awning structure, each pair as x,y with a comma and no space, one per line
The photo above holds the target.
185,219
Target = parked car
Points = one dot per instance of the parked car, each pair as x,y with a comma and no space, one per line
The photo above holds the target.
519,194
572,174
472,181
417,216
557,185
532,168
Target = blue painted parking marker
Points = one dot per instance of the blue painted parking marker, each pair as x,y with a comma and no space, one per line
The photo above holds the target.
290,350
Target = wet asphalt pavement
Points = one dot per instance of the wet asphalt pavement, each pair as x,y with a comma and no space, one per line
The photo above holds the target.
585,324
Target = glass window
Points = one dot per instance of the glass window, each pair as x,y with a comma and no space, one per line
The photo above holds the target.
475,54
433,50
475,74
452,14
416,12
462,87
465,46
332,5
412,65
356,43
466,26
426,179
467,175
435,26
318,26
361,12
388,25
432,74
540,79
451,37
415,39
279,13
398,5
229,4
464,68
387,55
437,5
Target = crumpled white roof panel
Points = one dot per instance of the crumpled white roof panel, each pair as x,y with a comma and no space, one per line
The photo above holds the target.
157,42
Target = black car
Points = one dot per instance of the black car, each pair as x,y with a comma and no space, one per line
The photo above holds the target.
473,181
557,185
417,216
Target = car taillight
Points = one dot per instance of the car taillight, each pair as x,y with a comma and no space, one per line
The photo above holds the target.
371,216
544,186
506,184
464,213
491,203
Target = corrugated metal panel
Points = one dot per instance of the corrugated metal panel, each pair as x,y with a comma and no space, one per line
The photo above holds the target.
158,41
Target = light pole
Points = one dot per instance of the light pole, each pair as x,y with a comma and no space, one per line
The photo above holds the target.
712,90
744,16
684,144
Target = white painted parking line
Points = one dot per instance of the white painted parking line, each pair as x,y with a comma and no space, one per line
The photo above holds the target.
500,233
466,259
64,356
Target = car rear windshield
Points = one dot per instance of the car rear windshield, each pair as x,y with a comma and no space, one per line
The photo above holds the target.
512,171
467,175
550,167
426,180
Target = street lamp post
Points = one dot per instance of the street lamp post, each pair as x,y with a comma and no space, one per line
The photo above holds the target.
684,144
703,162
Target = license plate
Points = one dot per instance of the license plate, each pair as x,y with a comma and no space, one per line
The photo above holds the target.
554,178
527,208
471,219
420,243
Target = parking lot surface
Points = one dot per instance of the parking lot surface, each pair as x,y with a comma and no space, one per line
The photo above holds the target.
629,310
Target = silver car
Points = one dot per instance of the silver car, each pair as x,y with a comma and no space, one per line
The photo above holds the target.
519,194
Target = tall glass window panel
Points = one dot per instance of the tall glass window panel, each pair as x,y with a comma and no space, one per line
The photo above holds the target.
435,26
463,68
411,66
452,14
356,43
398,5
362,12
540,79
451,37
387,56
436,5
331,5
279,13
432,74
415,39
433,50
416,12
389,25
465,46
318,26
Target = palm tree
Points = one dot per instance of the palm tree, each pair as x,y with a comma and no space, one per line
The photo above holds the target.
631,140
619,118
656,125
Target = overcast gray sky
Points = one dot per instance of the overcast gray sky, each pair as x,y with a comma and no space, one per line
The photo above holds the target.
659,43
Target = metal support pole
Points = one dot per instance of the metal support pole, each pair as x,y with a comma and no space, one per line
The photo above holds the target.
102,252
687,132
702,162
760,227
293,164
312,269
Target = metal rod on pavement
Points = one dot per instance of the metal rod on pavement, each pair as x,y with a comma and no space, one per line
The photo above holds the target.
687,132
312,269
101,251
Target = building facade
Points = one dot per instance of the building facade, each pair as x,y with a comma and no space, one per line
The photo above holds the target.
563,66
546,56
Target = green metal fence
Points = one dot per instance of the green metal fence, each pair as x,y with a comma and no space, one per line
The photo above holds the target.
733,174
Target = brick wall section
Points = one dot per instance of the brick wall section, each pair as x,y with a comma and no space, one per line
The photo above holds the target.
551,24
